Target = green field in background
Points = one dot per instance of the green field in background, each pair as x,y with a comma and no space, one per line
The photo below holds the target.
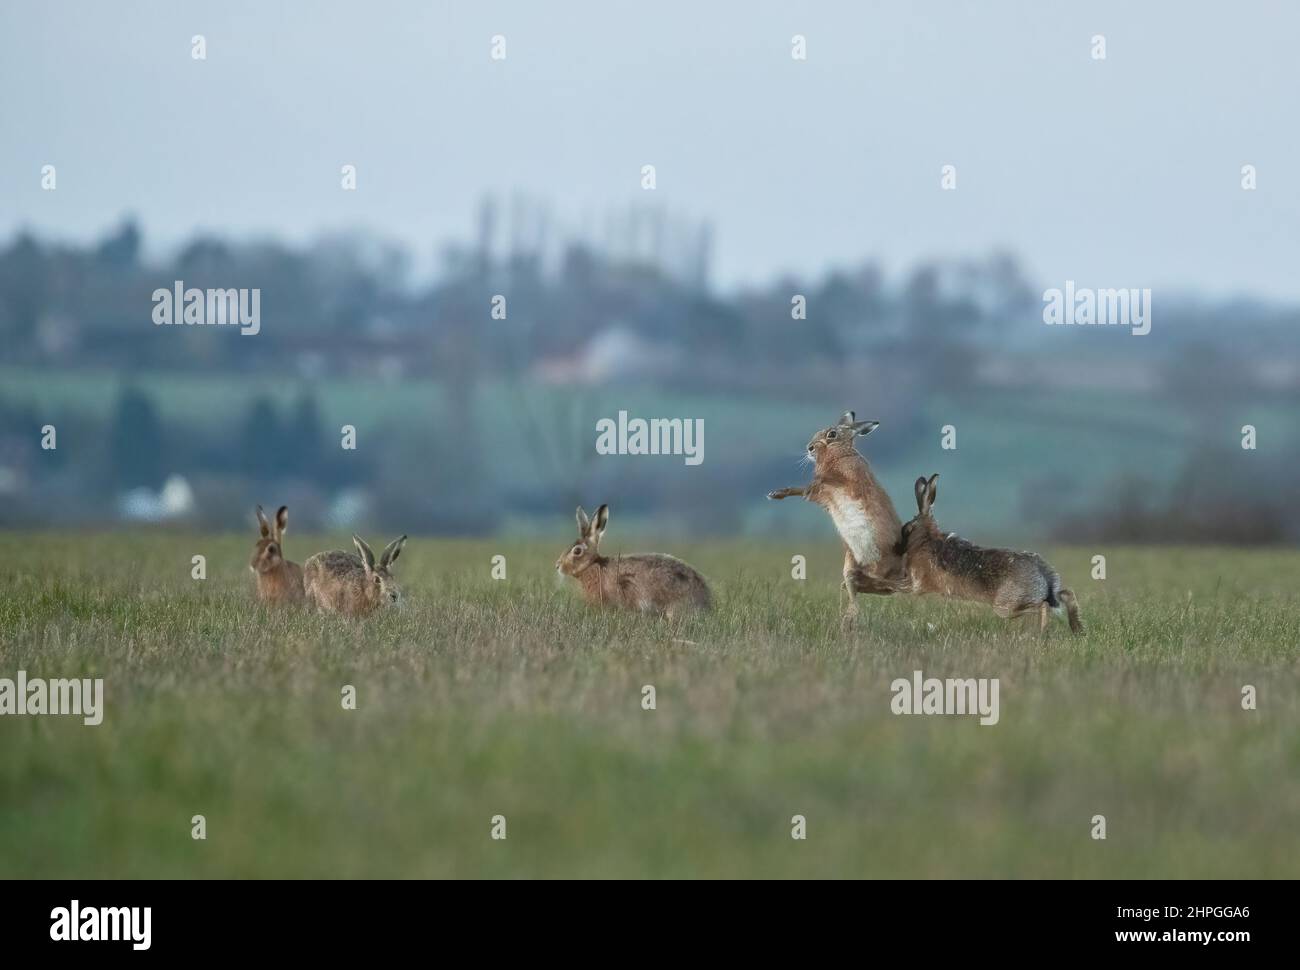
1080,441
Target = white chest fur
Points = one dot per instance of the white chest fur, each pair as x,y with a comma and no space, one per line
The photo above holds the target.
854,527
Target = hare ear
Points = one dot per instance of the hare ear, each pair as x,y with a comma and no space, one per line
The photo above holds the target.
584,523
367,556
922,489
863,428
281,521
264,525
391,552
932,489
847,418
602,520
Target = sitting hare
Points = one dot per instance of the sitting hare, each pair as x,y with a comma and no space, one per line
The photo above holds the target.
1013,583
278,579
354,585
649,582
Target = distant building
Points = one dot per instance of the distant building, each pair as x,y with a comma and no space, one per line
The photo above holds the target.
175,500
615,353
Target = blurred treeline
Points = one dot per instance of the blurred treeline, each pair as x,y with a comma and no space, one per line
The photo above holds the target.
473,423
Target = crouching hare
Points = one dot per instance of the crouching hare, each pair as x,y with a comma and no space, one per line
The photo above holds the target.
1013,583
278,579
649,582
354,585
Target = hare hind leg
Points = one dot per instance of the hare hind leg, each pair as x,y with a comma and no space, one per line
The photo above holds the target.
859,580
848,594
848,606
1014,611
1072,610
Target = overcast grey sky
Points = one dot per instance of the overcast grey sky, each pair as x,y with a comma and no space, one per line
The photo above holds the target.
1122,172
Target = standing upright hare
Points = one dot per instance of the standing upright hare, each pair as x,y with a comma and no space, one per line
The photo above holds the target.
1013,583
649,582
278,579
353,584
860,508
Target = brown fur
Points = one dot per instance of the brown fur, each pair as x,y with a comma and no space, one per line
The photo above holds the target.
353,584
278,580
649,582
1013,583
863,514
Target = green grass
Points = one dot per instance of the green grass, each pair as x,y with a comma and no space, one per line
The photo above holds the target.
483,698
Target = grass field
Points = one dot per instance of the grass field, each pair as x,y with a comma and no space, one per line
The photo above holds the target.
483,698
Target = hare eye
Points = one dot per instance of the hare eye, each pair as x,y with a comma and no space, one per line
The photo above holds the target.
830,435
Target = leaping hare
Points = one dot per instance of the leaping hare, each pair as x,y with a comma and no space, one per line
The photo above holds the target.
860,508
1013,583
278,579
649,582
353,584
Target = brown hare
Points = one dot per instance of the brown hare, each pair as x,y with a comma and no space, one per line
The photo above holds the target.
649,582
278,579
860,508
353,584
1013,583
